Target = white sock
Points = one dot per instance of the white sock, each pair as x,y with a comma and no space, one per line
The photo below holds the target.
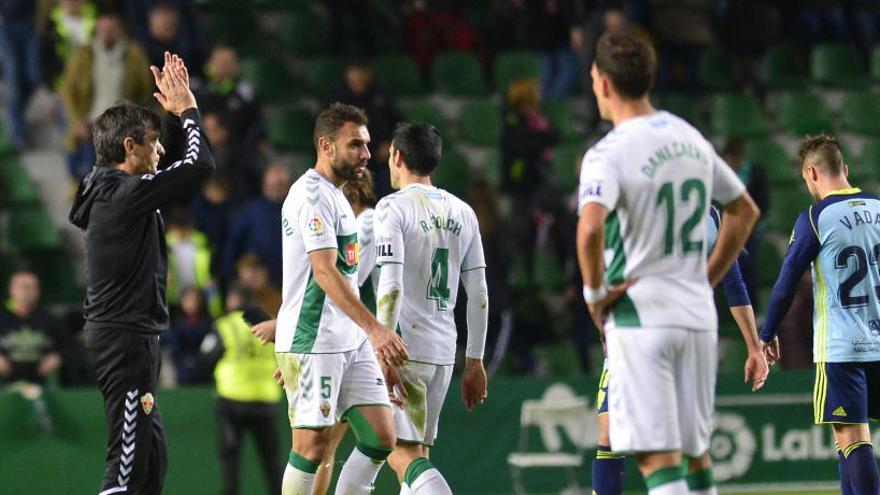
296,482
678,487
431,482
707,491
358,474
404,489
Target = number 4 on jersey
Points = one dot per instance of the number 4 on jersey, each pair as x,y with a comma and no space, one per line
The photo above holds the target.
438,286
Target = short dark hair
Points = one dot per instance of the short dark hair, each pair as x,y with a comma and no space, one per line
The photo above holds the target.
420,145
332,118
118,122
824,152
629,62
734,147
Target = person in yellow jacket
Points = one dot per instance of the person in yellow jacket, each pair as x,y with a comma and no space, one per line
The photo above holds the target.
247,393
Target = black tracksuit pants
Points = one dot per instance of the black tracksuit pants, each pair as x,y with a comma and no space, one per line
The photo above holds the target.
126,366
234,419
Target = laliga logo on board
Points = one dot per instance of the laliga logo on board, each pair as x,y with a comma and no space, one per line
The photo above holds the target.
732,448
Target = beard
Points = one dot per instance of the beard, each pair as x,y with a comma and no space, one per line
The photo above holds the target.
348,171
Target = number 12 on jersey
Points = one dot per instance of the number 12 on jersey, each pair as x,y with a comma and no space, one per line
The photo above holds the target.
666,196
438,286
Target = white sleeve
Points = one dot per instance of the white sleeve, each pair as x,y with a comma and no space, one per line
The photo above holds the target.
388,234
366,246
389,296
599,182
474,257
317,222
726,186
474,282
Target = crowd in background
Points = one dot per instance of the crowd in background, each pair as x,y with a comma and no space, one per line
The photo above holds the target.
91,54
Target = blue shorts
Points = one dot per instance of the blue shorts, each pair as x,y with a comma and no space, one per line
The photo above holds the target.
602,394
846,393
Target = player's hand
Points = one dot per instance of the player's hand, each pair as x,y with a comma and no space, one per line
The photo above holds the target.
756,369
173,83
279,378
771,351
599,310
474,384
265,331
49,364
5,366
389,347
394,382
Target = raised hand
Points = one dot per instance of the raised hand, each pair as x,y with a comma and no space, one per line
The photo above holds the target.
173,83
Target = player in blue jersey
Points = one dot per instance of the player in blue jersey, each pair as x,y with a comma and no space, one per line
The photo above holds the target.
608,467
840,237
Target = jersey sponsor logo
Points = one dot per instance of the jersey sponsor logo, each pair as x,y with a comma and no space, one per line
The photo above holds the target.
384,250
316,229
147,402
352,254
593,188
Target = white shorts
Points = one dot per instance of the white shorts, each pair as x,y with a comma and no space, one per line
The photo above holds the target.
662,389
426,386
322,387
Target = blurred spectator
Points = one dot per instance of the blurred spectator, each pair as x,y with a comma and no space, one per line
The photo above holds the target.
746,30
353,20
70,26
795,330
170,27
189,261
435,27
96,77
753,176
185,336
526,140
233,161
683,30
247,394
550,27
30,338
252,275
362,91
19,61
212,212
225,93
257,226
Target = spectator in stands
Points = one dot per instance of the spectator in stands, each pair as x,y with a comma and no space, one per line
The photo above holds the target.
70,26
362,91
795,343
124,74
434,27
30,337
550,26
19,61
212,213
185,337
189,261
171,28
253,276
234,161
753,176
683,30
225,93
257,226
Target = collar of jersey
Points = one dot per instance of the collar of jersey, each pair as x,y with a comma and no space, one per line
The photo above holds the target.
313,171
850,190
417,184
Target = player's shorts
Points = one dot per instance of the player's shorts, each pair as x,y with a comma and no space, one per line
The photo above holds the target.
662,393
426,386
846,393
602,394
322,387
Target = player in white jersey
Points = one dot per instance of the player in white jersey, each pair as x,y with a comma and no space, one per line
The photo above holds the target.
329,365
427,239
655,175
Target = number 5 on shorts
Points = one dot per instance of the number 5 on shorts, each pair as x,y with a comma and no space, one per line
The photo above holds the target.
326,391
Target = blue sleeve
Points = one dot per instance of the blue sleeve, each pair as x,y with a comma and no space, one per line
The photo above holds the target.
802,250
734,286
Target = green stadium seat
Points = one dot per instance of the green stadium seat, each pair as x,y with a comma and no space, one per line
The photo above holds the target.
399,74
837,66
548,272
514,65
31,229
738,115
875,63
733,356
869,161
18,188
559,113
320,75
769,262
804,113
480,123
860,113
566,163
714,70
458,74
58,279
291,130
491,170
427,112
453,173
785,206
271,79
681,105
305,34
772,158
782,68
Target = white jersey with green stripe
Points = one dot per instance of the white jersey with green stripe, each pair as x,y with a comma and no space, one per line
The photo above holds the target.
316,216
368,271
656,174
436,237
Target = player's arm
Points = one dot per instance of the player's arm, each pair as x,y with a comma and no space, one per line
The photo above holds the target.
802,250
474,385
737,296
